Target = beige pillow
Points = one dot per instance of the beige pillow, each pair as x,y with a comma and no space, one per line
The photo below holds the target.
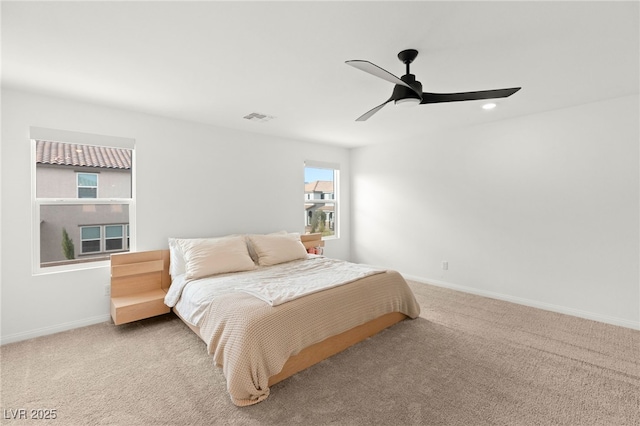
211,256
274,249
252,251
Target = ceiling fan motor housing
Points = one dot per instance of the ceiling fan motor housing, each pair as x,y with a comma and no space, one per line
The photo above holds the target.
402,92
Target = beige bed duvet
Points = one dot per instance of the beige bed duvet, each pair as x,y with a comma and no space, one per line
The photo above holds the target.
252,340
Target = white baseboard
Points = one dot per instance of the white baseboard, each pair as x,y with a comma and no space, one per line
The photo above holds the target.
522,301
528,302
16,337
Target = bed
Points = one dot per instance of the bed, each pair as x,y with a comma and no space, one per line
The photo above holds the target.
267,309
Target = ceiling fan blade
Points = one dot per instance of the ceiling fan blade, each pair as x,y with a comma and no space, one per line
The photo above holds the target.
373,69
433,98
368,114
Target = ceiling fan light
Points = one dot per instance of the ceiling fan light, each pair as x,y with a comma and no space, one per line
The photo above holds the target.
407,102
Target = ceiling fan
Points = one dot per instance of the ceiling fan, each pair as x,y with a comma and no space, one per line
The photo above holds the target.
408,90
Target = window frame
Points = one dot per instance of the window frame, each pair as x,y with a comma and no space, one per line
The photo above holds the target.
128,237
335,200
122,238
99,239
78,186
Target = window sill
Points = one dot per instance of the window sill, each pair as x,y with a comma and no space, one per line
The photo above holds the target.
70,267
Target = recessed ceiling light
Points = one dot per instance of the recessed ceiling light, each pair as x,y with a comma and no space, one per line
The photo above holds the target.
490,105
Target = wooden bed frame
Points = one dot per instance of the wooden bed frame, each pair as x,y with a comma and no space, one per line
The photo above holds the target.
140,280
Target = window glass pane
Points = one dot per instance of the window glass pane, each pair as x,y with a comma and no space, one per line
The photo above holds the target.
320,211
87,192
312,174
87,179
113,244
113,231
91,246
81,237
90,232
57,176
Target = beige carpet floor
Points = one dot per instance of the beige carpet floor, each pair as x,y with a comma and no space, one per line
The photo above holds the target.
467,360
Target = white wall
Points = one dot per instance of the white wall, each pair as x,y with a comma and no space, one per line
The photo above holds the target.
192,180
542,210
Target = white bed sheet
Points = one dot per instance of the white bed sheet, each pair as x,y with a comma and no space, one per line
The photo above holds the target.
274,285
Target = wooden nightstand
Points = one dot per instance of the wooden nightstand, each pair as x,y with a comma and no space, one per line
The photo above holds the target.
138,285
312,241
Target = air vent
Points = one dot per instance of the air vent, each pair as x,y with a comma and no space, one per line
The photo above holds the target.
258,118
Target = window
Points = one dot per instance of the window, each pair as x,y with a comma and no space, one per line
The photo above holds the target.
103,238
83,201
114,237
90,237
321,198
87,185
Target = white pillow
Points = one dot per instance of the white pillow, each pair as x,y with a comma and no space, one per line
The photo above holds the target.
176,258
211,256
280,248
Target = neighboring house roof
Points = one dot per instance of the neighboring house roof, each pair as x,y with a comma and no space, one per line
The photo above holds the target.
319,207
72,154
326,208
319,186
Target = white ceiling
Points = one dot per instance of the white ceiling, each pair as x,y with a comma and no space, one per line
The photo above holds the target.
215,62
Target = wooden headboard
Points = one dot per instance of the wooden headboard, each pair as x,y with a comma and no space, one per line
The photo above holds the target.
140,280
